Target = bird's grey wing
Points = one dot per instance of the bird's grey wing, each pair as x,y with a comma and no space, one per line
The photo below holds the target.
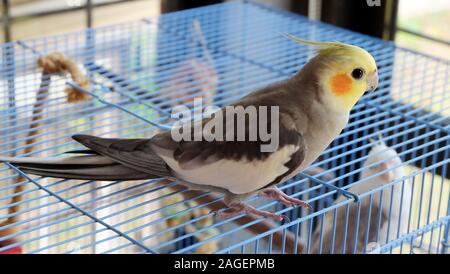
132,153
238,166
344,229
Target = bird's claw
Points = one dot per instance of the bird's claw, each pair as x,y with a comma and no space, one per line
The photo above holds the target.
241,208
285,219
276,194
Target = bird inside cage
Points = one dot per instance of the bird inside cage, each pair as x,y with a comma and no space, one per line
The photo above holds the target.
310,117
195,77
388,210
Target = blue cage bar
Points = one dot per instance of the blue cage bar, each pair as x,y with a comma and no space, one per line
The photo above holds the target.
140,70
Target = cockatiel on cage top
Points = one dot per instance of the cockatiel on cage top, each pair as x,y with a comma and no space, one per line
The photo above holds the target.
312,107
389,214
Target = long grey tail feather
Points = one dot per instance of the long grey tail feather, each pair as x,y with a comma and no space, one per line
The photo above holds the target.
136,154
91,167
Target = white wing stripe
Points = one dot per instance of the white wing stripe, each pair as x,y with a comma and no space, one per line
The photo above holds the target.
238,177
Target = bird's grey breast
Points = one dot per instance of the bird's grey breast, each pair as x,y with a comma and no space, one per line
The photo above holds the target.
321,129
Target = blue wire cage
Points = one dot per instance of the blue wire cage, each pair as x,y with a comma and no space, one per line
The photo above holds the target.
138,71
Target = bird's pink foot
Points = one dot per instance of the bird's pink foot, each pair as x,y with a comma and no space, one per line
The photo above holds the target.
241,208
276,194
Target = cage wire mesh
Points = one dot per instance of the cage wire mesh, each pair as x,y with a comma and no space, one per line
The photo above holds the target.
139,71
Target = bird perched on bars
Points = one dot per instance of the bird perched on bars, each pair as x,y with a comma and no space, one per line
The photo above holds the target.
312,107
388,210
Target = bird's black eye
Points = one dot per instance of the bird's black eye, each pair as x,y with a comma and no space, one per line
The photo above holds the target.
357,73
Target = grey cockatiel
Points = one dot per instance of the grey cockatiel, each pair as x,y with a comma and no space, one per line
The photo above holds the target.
389,214
314,106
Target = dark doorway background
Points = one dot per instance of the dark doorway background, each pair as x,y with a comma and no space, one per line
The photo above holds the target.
378,21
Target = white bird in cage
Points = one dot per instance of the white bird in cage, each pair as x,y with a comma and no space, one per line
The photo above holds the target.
312,107
389,211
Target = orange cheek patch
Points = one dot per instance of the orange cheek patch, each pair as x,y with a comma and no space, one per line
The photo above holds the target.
341,84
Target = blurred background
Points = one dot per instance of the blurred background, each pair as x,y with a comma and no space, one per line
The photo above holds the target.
416,24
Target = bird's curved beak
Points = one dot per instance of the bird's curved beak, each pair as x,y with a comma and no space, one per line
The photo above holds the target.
372,81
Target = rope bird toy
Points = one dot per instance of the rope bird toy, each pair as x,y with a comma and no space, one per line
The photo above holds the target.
53,63
56,63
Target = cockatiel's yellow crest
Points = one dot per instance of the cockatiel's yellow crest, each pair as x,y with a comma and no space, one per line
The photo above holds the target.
350,70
